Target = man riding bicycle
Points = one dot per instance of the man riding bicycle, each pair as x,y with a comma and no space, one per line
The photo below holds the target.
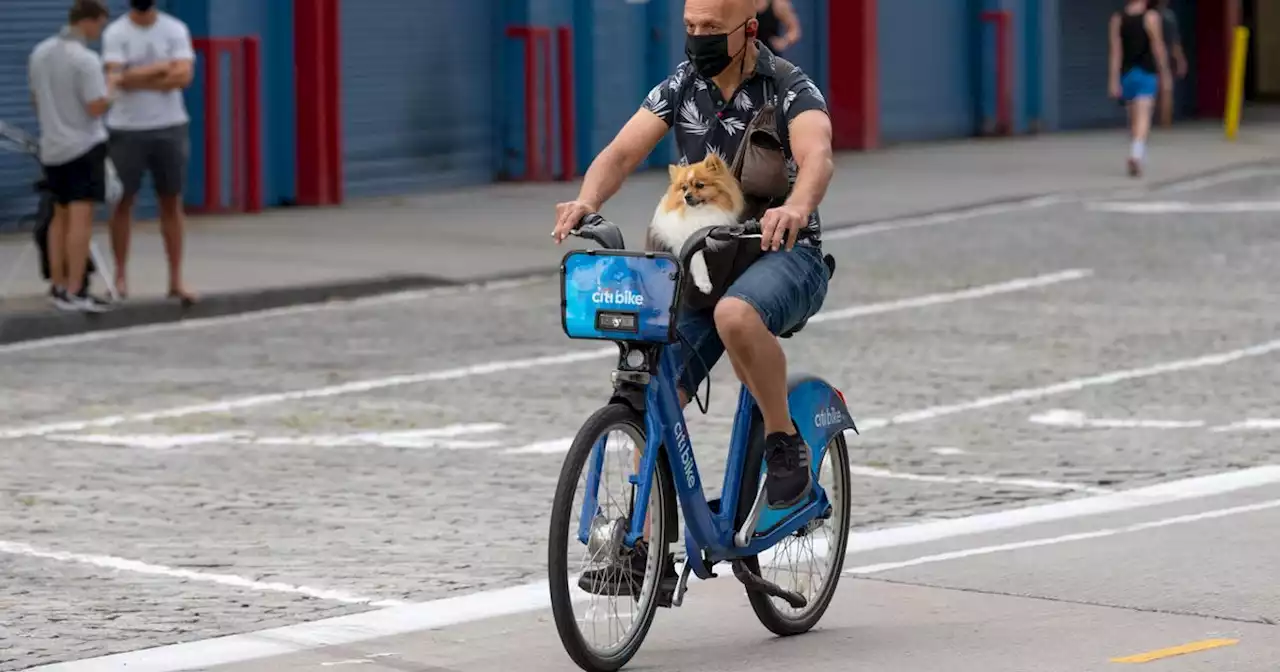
709,100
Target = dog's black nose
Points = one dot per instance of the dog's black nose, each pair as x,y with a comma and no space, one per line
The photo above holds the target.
688,198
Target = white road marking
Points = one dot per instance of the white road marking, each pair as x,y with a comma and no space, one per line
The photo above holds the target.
1207,181
1032,393
1011,286
489,368
1050,541
948,450
1061,417
1184,207
947,217
1252,424
151,441
253,316
223,406
552,447
441,438
534,597
125,565
1035,484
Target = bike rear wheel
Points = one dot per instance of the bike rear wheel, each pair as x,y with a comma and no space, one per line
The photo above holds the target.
805,552
619,425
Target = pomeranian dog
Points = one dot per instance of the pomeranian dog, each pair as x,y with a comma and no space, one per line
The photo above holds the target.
701,195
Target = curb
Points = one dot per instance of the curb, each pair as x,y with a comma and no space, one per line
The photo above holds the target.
33,324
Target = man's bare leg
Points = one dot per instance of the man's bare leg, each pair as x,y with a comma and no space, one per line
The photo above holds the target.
120,234
761,365
758,360
171,229
79,229
57,246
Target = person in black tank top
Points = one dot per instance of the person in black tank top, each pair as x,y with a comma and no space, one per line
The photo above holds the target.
1139,67
779,27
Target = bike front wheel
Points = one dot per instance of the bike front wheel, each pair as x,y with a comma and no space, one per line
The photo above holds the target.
810,561
616,589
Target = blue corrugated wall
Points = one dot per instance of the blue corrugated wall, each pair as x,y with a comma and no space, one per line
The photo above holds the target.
418,106
929,63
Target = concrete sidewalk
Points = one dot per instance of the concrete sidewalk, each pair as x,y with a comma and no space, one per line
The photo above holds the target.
302,255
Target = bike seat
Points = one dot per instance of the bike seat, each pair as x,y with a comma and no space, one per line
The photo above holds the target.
830,262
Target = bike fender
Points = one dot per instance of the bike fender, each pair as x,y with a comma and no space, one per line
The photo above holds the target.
818,410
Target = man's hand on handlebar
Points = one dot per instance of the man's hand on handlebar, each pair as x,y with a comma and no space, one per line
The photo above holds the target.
567,217
781,223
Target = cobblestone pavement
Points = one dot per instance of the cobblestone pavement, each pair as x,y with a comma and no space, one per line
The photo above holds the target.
237,504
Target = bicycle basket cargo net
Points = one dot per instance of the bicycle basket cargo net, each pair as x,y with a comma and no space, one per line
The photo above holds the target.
619,296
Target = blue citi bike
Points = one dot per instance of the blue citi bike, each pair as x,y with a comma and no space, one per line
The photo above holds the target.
633,299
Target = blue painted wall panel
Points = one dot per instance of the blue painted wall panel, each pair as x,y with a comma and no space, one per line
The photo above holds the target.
621,37
273,24
417,95
810,53
929,86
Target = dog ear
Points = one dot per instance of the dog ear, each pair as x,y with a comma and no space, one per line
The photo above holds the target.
714,163
673,171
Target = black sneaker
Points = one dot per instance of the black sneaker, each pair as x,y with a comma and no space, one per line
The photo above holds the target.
93,303
788,477
625,576
58,297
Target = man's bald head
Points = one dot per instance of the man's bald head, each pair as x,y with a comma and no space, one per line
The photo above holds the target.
703,17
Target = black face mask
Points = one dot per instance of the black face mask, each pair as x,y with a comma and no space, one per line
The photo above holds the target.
709,54
142,5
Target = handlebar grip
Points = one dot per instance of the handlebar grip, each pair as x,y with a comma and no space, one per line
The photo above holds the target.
591,219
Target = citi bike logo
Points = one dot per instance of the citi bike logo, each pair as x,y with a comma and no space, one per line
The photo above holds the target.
828,417
624,297
686,454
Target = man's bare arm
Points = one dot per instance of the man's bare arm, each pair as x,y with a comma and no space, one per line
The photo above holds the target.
790,21
179,75
810,135
142,77
604,177
1155,28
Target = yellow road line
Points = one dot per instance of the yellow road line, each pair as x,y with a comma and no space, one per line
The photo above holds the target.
1172,651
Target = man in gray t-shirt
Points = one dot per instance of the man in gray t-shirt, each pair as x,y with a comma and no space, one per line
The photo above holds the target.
1177,58
71,93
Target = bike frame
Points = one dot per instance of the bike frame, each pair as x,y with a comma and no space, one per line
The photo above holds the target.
707,531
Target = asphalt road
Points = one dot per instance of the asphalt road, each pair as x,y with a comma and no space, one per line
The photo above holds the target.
169,485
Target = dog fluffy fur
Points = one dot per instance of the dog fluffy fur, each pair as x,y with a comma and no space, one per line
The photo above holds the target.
700,195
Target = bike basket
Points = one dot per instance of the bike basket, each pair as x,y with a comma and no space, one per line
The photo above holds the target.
616,295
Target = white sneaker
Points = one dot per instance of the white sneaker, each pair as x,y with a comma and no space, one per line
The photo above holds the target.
87,303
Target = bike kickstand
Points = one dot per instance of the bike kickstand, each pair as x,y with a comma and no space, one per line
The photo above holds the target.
682,586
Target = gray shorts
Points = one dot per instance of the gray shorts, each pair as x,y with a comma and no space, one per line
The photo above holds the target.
162,151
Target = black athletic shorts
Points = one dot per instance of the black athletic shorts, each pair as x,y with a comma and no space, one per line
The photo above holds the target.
83,178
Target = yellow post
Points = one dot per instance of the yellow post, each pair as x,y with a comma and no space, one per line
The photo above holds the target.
1235,87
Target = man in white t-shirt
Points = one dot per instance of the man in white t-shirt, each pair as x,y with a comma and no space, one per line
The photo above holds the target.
152,52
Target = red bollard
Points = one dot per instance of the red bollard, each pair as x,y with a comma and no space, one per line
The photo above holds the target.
1003,21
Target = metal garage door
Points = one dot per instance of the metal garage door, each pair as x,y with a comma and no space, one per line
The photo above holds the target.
417,94
928,65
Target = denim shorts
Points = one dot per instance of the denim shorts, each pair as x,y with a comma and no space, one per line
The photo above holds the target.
1139,83
785,287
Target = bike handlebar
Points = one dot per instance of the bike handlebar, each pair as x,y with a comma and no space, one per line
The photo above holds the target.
594,227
